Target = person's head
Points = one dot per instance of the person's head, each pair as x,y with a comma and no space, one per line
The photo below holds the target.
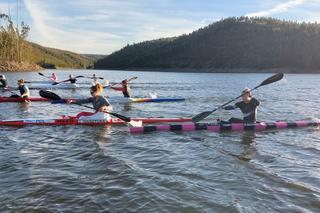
94,75
124,82
53,74
246,95
1,76
70,76
96,89
20,81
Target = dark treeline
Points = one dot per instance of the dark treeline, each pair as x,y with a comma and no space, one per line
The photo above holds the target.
233,43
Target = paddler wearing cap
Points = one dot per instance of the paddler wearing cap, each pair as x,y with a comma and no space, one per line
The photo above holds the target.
248,107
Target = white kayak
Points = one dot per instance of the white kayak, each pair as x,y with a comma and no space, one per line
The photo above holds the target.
66,85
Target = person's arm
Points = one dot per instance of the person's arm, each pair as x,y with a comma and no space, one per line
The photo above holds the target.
231,107
117,88
82,101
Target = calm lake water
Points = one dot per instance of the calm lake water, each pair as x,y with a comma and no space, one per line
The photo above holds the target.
106,169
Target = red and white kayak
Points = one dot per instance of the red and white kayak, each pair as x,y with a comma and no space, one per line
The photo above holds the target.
220,127
111,99
68,120
33,99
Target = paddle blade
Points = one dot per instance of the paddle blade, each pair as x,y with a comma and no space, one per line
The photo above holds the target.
49,95
133,78
40,73
201,116
79,76
272,79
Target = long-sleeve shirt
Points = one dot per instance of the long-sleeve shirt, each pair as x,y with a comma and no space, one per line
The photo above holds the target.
96,103
249,110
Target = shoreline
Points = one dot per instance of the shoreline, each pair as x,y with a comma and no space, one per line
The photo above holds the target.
12,66
231,70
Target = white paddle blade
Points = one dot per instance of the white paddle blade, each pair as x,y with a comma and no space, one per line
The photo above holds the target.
153,95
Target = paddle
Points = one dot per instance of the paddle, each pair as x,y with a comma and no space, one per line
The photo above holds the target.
53,96
130,79
44,75
15,94
269,80
96,77
78,76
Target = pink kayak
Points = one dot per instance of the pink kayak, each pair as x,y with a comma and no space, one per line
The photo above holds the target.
219,127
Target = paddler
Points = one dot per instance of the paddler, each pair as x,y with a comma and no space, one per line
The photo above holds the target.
248,107
4,82
54,77
72,79
100,104
94,79
125,88
24,90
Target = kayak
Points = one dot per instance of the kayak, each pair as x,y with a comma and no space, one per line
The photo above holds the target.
220,127
143,100
34,99
51,86
70,120
111,99
40,82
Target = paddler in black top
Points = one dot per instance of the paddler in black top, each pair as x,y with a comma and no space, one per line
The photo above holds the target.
72,79
248,107
126,90
3,81
24,90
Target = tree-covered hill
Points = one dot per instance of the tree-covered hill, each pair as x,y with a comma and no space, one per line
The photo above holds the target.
16,53
55,58
233,43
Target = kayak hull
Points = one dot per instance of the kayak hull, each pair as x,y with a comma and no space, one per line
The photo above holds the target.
111,99
33,99
65,120
143,100
51,86
221,127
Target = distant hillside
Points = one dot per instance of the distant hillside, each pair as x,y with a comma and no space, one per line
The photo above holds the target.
233,43
94,57
16,53
54,58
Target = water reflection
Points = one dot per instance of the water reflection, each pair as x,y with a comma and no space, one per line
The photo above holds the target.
248,139
127,107
24,106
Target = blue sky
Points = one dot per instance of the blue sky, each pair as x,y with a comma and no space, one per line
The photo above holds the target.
104,26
